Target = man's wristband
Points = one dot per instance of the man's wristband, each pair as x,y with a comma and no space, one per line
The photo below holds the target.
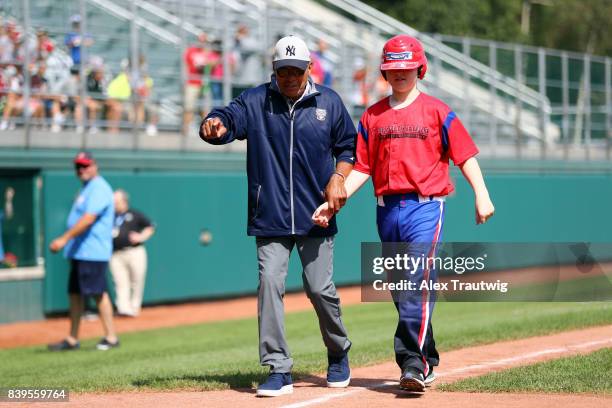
340,174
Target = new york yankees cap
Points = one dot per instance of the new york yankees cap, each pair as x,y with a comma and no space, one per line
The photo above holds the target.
291,51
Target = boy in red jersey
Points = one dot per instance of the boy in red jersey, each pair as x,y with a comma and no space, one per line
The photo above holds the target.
404,143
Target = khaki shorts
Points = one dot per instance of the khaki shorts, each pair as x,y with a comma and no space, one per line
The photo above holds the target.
192,95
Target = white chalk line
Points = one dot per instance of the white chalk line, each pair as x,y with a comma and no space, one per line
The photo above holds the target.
471,367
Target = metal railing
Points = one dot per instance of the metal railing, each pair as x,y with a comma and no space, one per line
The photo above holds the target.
502,92
577,86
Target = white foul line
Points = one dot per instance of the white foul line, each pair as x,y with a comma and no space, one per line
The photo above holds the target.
468,368
326,398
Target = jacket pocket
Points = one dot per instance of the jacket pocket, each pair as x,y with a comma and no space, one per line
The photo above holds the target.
255,209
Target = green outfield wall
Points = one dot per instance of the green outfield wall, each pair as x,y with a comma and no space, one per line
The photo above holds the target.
186,195
21,300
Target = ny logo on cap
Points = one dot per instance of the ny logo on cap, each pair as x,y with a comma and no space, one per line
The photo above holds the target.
290,51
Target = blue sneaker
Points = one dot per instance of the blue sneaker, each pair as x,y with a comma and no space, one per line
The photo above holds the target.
276,384
338,371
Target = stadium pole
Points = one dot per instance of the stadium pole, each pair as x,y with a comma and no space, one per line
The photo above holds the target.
82,31
27,115
134,70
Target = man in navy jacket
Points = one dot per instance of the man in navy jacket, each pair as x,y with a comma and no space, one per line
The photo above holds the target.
300,148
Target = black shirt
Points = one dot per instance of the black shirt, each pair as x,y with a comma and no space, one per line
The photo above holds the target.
125,223
94,86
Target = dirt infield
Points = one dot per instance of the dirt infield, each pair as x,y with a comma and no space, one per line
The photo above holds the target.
45,331
51,330
376,386
41,332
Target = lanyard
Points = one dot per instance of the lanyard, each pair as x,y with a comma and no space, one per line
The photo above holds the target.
119,219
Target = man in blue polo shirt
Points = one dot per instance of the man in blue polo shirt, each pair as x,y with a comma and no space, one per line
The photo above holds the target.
88,243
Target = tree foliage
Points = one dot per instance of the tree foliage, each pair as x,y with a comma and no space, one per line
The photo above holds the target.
577,25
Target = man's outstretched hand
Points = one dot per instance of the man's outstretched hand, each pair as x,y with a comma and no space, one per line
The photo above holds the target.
213,128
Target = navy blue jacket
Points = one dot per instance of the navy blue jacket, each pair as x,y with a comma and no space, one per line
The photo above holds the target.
291,154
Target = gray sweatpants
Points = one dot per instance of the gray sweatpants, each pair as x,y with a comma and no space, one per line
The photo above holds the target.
316,255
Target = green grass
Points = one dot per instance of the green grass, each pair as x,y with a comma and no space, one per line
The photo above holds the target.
224,354
591,373
598,288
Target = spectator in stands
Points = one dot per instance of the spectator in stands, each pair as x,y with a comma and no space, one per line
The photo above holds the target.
75,39
37,48
3,86
87,243
40,89
360,79
18,40
62,86
129,261
7,46
119,93
15,102
382,88
248,57
197,58
13,30
144,105
13,33
327,65
12,81
58,68
96,93
44,46
316,73
68,101
217,73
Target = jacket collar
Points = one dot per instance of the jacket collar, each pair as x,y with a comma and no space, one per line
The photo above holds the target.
310,90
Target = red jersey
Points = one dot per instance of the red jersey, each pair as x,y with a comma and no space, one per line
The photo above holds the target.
196,60
316,72
407,150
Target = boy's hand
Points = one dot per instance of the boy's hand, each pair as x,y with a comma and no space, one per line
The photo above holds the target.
484,209
322,215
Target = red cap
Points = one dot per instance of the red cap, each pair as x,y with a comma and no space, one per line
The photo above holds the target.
84,158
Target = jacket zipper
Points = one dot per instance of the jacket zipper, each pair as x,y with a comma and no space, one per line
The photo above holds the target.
291,119
291,116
